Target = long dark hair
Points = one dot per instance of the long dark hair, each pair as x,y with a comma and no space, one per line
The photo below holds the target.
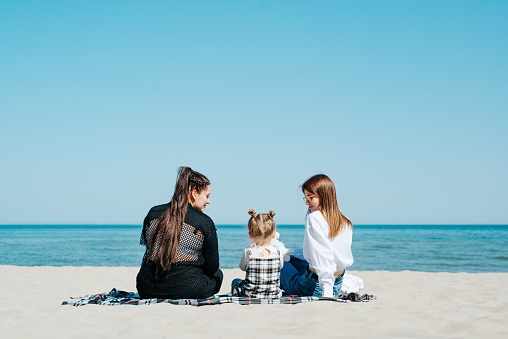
322,186
164,241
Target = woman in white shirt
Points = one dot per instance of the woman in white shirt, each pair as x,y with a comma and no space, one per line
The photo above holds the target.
326,245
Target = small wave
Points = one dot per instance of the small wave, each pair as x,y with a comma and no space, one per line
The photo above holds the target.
502,258
382,247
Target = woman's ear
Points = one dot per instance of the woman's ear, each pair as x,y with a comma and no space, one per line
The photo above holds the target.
193,195
274,234
250,235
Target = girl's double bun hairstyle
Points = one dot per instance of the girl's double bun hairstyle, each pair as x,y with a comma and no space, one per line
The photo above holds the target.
261,226
253,214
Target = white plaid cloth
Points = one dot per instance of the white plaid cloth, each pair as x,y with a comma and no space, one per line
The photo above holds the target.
262,278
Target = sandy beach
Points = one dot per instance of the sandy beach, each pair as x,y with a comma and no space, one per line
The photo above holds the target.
409,305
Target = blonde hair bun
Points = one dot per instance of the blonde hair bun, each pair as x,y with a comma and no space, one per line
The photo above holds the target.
271,214
252,213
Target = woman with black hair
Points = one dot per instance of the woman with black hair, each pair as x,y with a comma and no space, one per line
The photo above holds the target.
181,260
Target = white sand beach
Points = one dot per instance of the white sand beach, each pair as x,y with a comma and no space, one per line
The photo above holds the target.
409,305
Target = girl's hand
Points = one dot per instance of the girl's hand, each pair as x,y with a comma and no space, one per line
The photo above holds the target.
252,245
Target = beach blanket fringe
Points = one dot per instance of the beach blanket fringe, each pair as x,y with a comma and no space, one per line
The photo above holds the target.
114,298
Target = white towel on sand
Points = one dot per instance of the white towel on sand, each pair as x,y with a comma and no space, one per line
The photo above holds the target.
351,283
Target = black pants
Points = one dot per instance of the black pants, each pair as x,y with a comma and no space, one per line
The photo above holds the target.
218,277
212,287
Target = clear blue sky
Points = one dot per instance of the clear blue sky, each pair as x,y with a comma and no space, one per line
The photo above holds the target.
402,103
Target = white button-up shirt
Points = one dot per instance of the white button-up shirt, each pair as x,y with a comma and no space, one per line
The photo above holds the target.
326,256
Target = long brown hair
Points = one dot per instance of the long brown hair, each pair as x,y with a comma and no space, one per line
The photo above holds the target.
164,241
322,186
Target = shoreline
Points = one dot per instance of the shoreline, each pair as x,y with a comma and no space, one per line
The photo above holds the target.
410,304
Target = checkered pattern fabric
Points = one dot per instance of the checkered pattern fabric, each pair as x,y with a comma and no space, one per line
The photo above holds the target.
262,279
114,298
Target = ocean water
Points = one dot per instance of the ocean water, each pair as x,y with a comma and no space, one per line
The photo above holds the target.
430,248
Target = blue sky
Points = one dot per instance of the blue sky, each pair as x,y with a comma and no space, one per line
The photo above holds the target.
402,103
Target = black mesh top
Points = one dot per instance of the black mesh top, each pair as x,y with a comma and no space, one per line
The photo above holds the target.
193,272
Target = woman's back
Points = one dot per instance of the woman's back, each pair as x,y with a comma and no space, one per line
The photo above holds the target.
319,248
194,267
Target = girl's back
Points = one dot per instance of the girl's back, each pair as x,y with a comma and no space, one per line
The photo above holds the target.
262,277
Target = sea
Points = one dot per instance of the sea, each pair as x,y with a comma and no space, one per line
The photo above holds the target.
428,248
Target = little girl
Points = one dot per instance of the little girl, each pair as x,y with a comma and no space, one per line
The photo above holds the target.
326,244
262,261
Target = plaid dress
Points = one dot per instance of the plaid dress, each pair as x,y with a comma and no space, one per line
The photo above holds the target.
262,278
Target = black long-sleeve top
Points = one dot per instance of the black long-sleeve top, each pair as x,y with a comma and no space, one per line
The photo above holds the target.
192,270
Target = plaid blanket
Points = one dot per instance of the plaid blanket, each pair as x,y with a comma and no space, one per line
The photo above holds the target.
115,297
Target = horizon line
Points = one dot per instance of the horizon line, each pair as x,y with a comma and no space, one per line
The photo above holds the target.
229,224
